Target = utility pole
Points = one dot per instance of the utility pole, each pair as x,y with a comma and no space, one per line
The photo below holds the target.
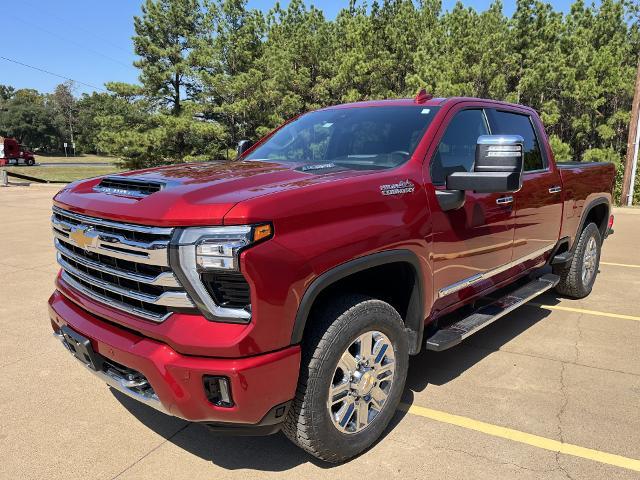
73,142
628,181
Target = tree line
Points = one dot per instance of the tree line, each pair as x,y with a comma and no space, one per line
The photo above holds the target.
213,72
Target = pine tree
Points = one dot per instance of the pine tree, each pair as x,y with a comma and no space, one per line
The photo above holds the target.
232,79
169,35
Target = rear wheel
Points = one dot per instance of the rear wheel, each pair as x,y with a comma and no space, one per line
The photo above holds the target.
577,278
353,371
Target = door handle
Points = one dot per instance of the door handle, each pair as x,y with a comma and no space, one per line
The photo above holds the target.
556,189
504,200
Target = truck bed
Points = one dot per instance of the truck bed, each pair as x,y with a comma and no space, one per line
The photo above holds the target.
582,183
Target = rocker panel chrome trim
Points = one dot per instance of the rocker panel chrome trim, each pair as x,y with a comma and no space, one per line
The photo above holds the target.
455,287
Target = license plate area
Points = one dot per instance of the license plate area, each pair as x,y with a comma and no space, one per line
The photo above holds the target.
80,347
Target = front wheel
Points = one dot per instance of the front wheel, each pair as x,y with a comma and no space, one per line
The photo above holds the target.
578,277
353,371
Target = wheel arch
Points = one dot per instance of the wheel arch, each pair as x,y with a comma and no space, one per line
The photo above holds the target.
597,211
374,266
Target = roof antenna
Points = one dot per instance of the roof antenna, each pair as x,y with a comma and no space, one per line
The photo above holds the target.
422,96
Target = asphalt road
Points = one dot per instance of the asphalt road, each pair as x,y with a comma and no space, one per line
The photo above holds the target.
551,391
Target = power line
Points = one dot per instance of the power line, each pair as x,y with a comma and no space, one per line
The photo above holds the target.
80,27
51,73
78,44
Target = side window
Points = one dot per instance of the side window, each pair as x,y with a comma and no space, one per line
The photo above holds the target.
507,123
457,149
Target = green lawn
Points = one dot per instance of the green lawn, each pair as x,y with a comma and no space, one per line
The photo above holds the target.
63,173
78,159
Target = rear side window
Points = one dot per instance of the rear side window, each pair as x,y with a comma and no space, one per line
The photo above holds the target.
507,123
457,149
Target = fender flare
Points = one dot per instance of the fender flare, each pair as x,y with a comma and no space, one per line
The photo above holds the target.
585,213
414,321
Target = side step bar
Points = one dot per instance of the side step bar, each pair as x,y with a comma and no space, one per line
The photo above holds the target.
454,334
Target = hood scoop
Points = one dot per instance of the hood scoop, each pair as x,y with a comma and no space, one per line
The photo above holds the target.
128,187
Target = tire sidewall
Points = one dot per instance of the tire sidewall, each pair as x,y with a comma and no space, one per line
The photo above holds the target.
591,231
371,315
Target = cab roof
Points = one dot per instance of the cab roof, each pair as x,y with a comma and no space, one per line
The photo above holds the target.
431,102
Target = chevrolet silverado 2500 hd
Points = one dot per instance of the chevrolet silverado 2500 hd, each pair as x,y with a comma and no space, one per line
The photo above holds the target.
287,289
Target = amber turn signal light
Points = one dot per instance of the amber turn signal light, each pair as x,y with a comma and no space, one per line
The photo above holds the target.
261,232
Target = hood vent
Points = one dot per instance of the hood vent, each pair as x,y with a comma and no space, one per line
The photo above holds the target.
128,187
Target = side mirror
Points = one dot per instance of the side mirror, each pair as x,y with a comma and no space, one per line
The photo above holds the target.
497,168
243,146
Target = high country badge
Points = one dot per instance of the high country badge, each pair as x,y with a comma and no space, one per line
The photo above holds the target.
405,186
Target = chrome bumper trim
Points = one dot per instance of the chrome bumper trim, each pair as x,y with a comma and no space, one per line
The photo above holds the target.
121,384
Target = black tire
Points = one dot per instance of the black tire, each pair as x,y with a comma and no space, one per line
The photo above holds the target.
30,162
572,283
332,330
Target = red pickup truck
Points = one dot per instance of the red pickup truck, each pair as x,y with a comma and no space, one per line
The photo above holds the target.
287,289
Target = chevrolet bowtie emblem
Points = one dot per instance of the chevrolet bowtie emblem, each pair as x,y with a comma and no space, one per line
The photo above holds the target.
82,237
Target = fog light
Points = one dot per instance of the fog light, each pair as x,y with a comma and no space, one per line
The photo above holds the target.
218,390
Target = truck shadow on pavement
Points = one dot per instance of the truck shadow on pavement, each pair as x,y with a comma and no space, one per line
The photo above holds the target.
275,453
439,368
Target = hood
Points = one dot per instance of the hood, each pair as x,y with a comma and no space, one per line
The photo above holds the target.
191,194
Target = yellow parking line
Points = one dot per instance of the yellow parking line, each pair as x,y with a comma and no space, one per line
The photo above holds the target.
588,312
620,264
522,437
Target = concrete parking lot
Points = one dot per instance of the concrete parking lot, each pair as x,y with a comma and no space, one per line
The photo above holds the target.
551,391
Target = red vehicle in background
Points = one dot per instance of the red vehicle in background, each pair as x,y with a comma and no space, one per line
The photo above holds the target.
12,153
287,289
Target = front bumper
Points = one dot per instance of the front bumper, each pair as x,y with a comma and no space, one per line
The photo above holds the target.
260,385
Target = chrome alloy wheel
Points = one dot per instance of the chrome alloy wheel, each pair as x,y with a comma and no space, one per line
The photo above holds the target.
361,382
589,261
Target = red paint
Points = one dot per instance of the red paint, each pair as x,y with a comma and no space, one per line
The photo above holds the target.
320,221
258,382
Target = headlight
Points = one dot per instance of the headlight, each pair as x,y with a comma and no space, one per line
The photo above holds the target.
198,250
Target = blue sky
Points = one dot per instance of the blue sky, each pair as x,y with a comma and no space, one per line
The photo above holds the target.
90,41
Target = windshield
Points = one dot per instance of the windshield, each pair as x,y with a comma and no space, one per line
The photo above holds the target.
362,137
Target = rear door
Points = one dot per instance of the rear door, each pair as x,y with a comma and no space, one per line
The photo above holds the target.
470,241
538,203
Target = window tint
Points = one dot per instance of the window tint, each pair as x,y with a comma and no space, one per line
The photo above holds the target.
457,149
506,123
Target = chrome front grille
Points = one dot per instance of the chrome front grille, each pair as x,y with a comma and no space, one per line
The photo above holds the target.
122,265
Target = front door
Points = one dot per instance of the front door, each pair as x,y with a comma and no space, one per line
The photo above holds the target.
477,238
